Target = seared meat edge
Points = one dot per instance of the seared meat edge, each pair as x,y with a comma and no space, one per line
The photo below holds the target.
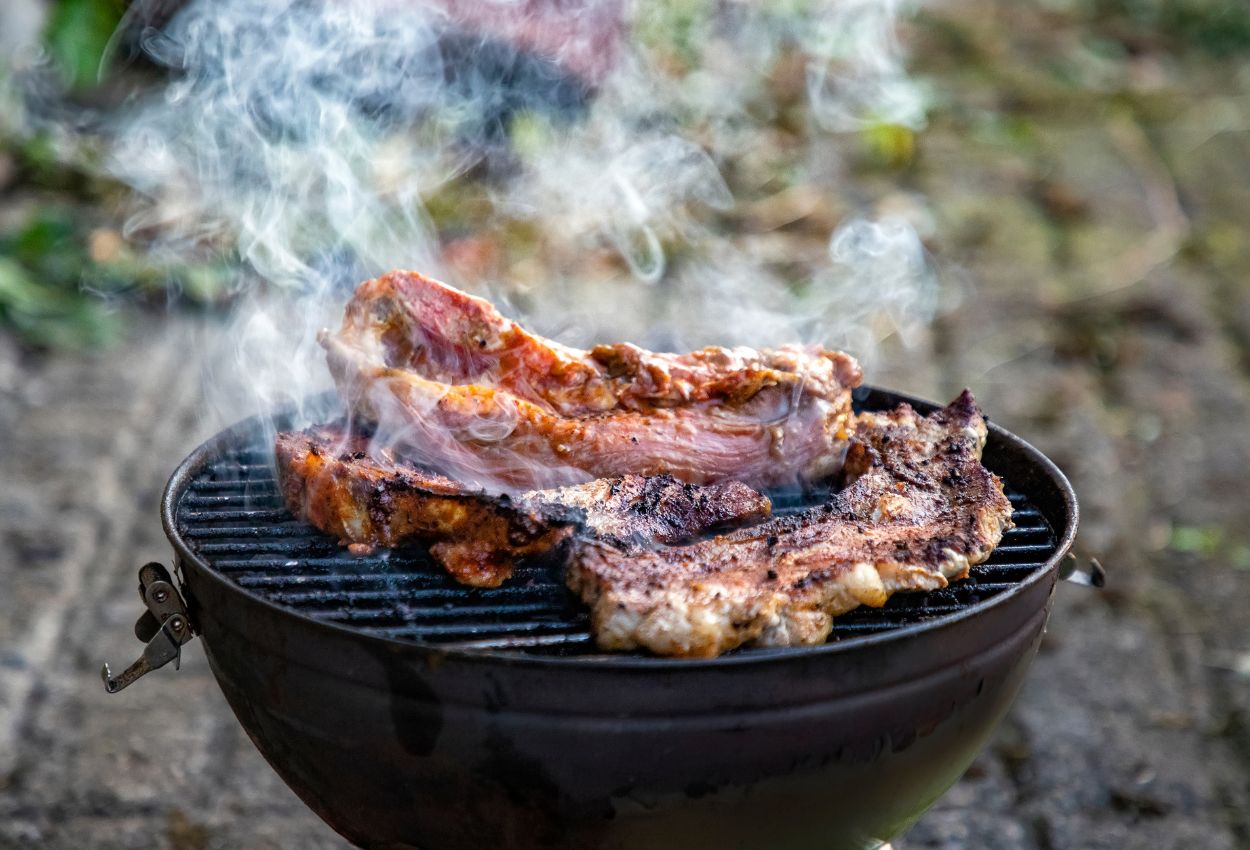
329,477
919,510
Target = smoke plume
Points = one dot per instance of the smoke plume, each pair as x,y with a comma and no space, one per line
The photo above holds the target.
587,164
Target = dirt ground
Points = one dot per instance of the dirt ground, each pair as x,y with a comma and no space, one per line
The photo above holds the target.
1094,252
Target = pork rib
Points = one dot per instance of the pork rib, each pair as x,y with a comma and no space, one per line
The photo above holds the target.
484,401
332,477
919,509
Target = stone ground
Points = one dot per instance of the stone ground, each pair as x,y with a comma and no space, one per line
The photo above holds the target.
1097,305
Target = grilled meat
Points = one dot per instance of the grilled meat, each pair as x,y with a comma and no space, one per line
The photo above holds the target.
636,511
329,476
471,393
918,510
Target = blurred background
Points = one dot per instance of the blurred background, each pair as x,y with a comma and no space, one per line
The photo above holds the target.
1045,202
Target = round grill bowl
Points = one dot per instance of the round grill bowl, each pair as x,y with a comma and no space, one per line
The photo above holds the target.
409,743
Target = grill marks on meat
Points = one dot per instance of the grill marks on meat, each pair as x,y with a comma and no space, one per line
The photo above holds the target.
486,401
918,511
329,477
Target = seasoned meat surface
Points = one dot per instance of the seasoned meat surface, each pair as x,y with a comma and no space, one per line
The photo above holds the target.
918,510
635,510
330,476
471,393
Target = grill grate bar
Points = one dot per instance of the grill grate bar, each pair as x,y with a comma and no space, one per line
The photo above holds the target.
357,589
410,583
247,466
393,595
1012,571
294,540
234,516
413,597
1031,548
234,485
1028,530
429,572
230,500
854,629
470,631
419,617
559,640
276,514
288,564
243,547
416,600
252,532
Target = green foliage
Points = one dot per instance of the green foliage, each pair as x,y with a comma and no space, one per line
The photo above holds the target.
39,293
675,29
889,145
78,36
1219,28
530,133
1210,542
1201,540
43,166
57,278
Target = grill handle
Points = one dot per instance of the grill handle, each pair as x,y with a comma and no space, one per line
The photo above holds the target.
164,627
1093,575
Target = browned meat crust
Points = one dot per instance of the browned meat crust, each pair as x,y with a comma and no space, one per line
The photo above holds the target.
478,397
637,510
920,509
329,477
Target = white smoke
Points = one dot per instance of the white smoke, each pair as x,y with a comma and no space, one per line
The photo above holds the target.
857,76
313,140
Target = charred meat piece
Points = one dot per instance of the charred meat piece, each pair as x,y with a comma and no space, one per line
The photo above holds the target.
636,511
918,511
473,394
329,477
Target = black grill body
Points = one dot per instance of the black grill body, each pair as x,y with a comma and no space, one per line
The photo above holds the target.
408,711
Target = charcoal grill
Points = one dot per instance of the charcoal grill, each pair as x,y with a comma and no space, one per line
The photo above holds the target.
409,711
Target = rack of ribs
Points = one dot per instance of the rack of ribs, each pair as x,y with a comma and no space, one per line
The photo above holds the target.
442,375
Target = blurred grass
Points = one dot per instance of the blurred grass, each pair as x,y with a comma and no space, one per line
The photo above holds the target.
78,36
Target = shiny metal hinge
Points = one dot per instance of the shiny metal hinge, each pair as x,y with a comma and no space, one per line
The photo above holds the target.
164,627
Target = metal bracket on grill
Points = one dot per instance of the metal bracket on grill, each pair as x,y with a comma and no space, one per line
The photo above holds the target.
164,627
1070,570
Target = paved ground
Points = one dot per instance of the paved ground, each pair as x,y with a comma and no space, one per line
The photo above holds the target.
1097,261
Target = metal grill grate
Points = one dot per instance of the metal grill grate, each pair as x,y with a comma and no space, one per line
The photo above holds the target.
232,515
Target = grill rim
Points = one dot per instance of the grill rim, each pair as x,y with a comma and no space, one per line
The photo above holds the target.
214,447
